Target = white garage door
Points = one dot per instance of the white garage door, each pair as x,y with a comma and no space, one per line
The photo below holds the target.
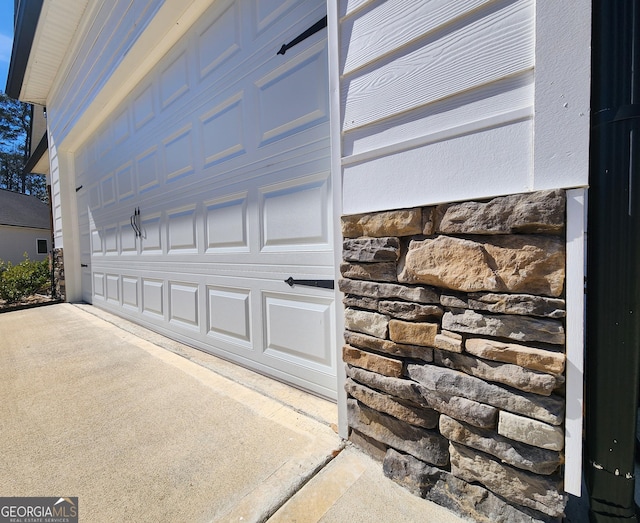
224,149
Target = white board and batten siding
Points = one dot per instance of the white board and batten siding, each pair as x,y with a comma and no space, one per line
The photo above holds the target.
438,100
224,148
443,101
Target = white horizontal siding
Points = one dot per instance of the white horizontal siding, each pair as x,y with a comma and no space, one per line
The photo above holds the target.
437,101
404,22
476,50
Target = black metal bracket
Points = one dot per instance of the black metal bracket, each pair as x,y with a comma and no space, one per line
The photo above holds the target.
320,24
78,188
324,284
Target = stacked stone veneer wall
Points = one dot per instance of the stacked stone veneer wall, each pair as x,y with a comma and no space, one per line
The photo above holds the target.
455,351
58,274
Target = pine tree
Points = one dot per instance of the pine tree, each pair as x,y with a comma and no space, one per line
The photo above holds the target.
15,148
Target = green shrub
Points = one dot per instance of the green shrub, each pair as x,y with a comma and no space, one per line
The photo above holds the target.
24,279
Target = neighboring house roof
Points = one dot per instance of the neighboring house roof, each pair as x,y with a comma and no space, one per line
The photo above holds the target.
23,210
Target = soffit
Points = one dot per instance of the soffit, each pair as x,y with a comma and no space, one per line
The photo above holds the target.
57,26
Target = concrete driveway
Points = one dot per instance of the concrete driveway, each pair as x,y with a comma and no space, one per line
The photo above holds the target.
141,428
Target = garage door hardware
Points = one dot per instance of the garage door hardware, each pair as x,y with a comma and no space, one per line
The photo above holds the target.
325,284
320,24
135,222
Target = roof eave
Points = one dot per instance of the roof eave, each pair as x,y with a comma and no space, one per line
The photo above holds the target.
42,147
25,29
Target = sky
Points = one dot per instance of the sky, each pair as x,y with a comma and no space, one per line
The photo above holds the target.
6,39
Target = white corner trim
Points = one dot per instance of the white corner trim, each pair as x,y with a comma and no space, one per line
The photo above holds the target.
576,253
333,28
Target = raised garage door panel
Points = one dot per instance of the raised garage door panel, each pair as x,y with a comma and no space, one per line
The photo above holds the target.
224,148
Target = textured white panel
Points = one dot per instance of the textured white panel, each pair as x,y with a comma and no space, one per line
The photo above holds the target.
94,197
108,190
104,142
228,312
183,303
113,288
390,25
420,172
111,240
96,242
130,291
87,288
151,236
174,80
147,166
143,110
222,136
268,11
299,327
178,153
121,127
98,284
220,41
487,48
296,213
181,230
294,96
152,291
496,104
127,239
226,223
124,181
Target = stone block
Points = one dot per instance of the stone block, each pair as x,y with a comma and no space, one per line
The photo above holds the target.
523,304
518,328
522,355
530,431
409,311
449,341
383,271
413,333
389,290
420,417
505,373
366,322
463,409
538,212
368,445
400,388
364,341
426,445
454,301
542,493
536,460
373,362
515,264
360,302
455,383
404,222
411,473
371,249
428,221
476,503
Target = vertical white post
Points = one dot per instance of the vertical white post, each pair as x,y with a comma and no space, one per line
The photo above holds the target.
576,259
333,28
